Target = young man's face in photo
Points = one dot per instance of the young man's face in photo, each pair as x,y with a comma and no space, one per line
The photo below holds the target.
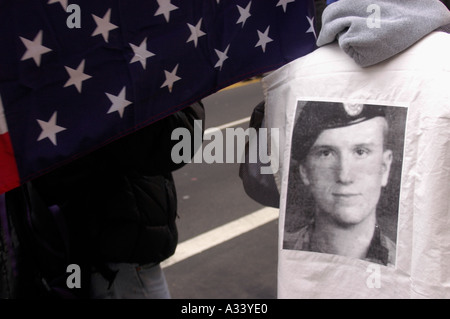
345,170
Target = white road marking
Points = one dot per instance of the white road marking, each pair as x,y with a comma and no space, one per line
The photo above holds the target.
224,126
221,234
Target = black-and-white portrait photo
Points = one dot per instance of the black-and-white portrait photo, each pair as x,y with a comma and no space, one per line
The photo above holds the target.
344,180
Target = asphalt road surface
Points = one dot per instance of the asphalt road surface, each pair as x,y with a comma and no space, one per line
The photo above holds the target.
228,242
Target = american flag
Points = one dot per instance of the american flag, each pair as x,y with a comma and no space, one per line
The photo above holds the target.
76,75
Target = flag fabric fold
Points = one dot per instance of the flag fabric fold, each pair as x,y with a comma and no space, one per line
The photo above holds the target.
77,75
9,176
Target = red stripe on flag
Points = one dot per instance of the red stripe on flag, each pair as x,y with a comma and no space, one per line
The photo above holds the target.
9,175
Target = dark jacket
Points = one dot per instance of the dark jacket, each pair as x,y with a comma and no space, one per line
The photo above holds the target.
120,201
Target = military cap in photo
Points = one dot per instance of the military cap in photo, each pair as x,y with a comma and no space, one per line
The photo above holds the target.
315,117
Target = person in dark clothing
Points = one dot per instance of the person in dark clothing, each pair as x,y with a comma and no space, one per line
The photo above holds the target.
319,6
120,206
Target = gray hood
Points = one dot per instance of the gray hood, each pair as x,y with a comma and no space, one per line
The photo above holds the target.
402,23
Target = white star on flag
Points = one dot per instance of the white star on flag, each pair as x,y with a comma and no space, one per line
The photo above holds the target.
311,28
50,129
165,7
77,76
171,78
35,49
62,2
119,103
141,54
245,13
222,57
104,25
284,3
195,32
263,39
